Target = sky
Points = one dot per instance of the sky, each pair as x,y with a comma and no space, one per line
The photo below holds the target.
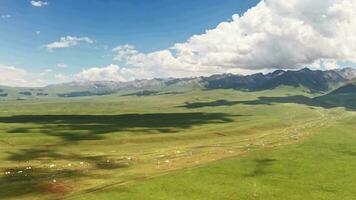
51,41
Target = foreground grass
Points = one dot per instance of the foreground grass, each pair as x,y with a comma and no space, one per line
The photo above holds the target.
321,167
72,148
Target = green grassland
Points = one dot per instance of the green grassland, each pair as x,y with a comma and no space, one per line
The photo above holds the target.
199,144
319,168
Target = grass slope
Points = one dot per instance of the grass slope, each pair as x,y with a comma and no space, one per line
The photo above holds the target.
321,167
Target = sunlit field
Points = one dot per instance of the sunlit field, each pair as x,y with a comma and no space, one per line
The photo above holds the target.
200,144
321,167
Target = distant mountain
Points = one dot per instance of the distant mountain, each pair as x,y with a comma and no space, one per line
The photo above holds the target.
313,80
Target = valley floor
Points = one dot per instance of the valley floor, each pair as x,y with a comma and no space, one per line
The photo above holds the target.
192,145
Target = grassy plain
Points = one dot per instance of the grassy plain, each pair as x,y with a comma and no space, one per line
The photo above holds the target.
194,145
321,167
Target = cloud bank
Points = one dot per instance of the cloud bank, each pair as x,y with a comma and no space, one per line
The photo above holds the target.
275,34
12,76
112,73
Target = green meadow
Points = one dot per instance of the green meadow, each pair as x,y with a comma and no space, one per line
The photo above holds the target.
321,167
199,144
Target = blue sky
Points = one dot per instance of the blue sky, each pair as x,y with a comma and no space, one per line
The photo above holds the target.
148,25
51,41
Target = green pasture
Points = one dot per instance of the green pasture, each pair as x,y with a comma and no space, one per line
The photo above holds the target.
199,144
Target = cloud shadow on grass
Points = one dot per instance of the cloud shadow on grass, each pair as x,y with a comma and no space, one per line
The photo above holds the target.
75,128
93,127
323,101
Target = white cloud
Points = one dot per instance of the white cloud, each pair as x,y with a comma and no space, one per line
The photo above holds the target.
12,76
38,32
325,64
62,78
275,34
164,64
62,65
68,41
6,16
124,51
112,73
330,64
39,3
316,65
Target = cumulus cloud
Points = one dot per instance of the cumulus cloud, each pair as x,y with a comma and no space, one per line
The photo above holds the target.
68,41
165,64
112,73
39,3
275,34
12,76
331,64
124,51
63,77
325,64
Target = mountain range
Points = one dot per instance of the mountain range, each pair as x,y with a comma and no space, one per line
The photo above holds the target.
312,80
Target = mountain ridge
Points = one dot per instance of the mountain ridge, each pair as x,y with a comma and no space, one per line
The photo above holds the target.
313,80
339,75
